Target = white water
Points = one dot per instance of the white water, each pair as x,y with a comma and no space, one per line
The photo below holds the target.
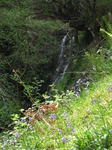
60,59
59,69
68,59
63,59
65,69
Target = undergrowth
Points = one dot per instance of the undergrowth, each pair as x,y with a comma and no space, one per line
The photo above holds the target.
83,120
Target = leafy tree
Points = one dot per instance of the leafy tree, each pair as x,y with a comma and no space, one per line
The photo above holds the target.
82,15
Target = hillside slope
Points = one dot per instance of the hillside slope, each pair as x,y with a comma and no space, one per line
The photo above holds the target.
83,120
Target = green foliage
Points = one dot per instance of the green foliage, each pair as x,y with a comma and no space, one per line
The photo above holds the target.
26,42
7,96
27,45
82,14
6,111
83,120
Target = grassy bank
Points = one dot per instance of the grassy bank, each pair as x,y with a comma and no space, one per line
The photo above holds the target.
82,122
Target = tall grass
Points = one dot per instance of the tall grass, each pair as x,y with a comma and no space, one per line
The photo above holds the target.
81,123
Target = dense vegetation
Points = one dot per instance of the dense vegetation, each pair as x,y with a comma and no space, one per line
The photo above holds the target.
79,112
28,46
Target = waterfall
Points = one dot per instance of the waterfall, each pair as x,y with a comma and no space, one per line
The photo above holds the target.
63,59
60,69
68,57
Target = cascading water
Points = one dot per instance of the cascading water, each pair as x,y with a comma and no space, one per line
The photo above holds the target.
63,59
68,57
59,69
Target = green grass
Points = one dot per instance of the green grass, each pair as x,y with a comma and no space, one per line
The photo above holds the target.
91,123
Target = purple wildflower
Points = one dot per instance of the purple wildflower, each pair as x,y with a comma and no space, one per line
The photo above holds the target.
60,131
30,127
87,83
65,114
88,110
30,119
77,93
109,88
86,78
73,130
77,85
53,116
95,100
98,101
11,142
68,126
79,81
92,102
17,135
23,120
94,67
111,57
84,83
64,140
73,88
111,131
4,141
